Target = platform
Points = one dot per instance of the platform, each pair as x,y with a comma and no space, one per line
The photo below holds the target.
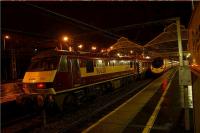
121,119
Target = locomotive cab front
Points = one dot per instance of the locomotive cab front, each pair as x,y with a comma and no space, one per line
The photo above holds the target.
40,76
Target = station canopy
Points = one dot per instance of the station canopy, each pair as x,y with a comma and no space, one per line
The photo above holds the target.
166,43
126,47
163,45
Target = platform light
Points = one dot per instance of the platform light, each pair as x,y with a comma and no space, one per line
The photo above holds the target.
80,46
7,37
65,38
99,61
103,50
188,55
114,61
35,50
70,49
4,41
147,57
93,48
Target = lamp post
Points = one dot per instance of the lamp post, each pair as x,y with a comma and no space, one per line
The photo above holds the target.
64,39
4,41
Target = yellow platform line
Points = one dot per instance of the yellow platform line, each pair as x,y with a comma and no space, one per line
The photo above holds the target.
153,117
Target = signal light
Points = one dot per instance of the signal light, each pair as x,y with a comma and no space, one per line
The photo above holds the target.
41,86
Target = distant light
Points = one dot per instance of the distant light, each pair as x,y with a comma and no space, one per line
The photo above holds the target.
131,51
111,47
147,57
70,49
113,61
80,46
7,37
65,38
188,55
118,54
94,48
190,97
35,50
100,61
108,50
102,51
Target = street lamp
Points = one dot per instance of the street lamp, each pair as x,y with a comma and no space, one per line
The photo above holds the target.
4,41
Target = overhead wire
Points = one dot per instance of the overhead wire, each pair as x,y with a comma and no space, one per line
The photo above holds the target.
108,34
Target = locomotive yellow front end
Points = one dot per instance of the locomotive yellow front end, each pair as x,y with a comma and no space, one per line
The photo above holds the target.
158,66
40,82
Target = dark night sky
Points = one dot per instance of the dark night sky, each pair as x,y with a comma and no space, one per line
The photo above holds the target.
35,25
31,28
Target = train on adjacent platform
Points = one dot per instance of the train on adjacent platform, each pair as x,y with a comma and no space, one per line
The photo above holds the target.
69,78
160,65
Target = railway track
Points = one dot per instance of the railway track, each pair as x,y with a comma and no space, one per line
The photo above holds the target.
78,125
76,120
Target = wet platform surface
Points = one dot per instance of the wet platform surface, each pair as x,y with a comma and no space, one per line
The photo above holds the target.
134,114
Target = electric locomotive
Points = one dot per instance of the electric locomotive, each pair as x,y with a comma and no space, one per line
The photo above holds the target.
67,78
160,65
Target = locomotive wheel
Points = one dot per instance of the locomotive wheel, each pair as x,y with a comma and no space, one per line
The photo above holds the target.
69,103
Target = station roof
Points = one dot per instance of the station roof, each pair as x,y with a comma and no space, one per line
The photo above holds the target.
124,45
163,45
166,43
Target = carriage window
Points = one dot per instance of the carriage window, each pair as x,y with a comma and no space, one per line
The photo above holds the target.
63,64
100,63
75,63
131,64
106,63
89,66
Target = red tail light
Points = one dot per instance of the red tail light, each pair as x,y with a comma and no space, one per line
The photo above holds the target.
25,85
41,86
